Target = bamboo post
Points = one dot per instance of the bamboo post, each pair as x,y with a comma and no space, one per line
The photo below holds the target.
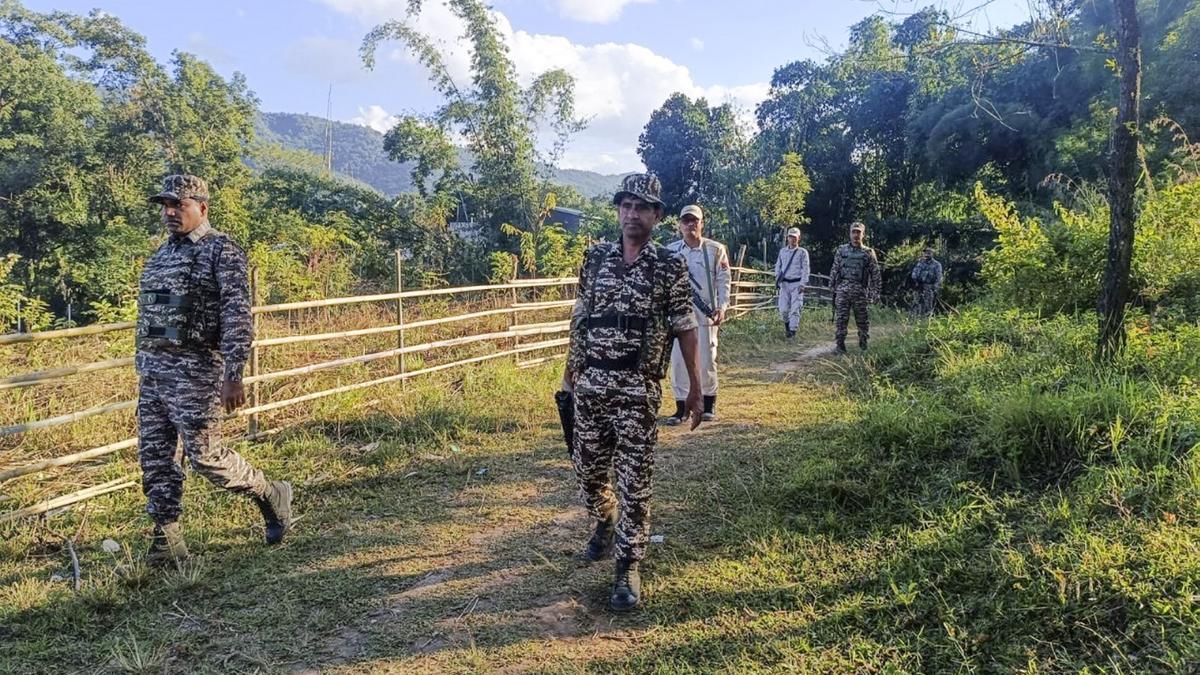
512,318
400,364
252,426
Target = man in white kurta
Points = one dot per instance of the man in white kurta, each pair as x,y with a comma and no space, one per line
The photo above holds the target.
708,272
791,276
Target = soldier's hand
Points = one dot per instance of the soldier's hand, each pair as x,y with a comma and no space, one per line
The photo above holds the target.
718,318
233,395
694,407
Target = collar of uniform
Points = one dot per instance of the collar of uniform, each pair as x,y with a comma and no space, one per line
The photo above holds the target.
619,250
683,244
197,234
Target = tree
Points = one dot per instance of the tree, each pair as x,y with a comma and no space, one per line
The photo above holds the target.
688,144
779,198
497,119
1122,182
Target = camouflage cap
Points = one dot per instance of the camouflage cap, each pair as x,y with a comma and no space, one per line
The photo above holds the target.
857,226
182,186
644,186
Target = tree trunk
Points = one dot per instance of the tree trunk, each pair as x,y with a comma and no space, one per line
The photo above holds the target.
1122,182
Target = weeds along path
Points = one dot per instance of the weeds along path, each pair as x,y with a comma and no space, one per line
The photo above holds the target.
441,537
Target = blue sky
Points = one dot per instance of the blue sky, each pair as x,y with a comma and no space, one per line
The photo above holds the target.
627,55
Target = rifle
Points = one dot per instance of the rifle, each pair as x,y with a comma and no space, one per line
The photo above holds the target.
565,401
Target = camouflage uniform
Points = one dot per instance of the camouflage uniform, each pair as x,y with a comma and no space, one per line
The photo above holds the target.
856,280
928,276
619,349
193,331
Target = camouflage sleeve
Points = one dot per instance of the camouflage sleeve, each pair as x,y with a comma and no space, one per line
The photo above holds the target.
937,268
835,270
679,298
237,329
576,358
875,285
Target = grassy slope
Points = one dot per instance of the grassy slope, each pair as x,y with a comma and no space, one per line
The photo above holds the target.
813,529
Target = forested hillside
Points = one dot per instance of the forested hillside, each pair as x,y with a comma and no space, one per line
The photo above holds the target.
358,154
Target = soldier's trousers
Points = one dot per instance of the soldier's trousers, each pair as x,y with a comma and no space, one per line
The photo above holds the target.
791,303
617,432
924,299
172,410
851,298
706,343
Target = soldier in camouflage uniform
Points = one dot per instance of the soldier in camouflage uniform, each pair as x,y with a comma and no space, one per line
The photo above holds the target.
856,281
633,296
927,274
193,340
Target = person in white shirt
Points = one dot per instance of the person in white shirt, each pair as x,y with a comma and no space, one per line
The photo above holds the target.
708,271
791,276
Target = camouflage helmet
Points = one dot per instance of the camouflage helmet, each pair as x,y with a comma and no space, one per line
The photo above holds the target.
644,186
182,186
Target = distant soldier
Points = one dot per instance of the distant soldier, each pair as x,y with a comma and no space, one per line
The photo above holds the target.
791,276
193,339
633,296
708,271
927,274
856,281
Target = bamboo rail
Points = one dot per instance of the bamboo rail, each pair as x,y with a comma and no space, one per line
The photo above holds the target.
73,458
330,302
46,376
67,500
548,344
291,339
66,419
15,338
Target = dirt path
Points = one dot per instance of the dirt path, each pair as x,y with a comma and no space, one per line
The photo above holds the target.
494,580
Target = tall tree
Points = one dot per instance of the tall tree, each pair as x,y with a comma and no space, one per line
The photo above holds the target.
1122,182
494,115
688,143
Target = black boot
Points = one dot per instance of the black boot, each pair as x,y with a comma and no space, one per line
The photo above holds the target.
600,545
276,509
677,418
627,587
841,345
166,546
862,343
710,409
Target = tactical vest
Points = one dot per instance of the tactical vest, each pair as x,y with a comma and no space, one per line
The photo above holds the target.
926,273
854,264
177,304
651,362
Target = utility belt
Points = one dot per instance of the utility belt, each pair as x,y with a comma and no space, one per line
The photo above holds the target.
625,322
618,321
166,318
786,280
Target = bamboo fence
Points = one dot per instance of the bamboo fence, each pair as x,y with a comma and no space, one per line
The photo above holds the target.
753,293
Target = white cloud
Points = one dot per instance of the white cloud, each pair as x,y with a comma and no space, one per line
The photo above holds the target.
617,85
697,44
376,117
594,11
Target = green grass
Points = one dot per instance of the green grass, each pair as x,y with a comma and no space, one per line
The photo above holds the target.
974,496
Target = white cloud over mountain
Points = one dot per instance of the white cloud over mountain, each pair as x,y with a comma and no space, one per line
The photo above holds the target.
618,85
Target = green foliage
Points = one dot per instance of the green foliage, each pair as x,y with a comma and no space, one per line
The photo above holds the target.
547,250
1055,265
496,118
779,198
